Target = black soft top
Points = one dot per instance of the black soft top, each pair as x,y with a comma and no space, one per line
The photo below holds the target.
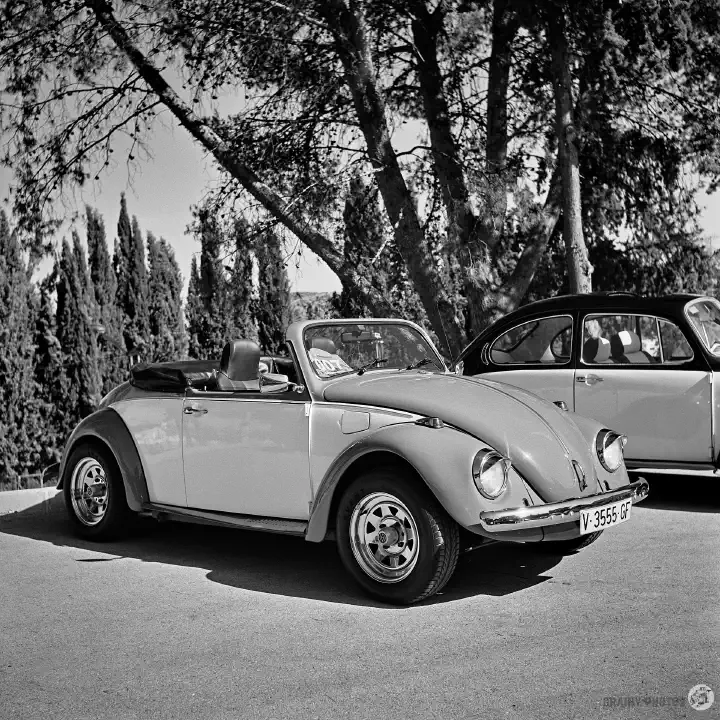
172,376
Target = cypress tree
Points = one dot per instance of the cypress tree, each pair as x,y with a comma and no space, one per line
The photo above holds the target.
111,347
370,248
273,311
164,302
241,284
129,263
194,311
52,383
209,311
76,328
20,430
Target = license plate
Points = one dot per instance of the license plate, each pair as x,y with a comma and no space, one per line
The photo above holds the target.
604,517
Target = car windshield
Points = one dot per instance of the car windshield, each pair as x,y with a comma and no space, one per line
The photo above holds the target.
339,348
704,316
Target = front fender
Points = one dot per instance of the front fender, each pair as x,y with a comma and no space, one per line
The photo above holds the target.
108,427
442,457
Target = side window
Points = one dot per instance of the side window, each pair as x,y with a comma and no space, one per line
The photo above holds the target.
545,341
675,348
630,340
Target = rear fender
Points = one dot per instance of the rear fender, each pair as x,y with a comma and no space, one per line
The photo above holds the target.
442,457
106,427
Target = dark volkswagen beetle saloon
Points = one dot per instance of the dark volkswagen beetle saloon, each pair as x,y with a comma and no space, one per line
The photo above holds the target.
648,367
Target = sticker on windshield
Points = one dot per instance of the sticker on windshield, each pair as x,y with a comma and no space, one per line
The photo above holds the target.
327,364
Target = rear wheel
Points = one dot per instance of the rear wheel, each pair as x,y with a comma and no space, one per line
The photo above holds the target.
94,494
394,538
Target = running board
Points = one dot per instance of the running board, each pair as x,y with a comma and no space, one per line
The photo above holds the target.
707,471
208,517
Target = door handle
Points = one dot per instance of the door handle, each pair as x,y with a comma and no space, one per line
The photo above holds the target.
190,409
589,380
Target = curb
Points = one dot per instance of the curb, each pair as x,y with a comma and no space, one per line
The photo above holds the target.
12,501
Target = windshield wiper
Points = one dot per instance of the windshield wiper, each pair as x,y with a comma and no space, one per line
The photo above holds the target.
373,363
420,363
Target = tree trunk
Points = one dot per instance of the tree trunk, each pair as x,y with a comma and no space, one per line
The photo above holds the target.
579,268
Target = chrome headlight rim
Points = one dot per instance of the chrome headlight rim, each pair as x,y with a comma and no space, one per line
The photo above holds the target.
603,442
485,460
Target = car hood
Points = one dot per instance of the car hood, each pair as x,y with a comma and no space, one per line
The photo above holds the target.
540,439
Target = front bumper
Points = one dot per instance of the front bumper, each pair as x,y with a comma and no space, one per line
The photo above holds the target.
568,511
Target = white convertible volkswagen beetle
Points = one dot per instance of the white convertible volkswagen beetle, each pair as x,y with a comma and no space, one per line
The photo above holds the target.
360,433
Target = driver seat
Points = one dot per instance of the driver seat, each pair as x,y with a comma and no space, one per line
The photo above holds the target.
239,366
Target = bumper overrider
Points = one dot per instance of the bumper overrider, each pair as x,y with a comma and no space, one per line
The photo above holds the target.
540,516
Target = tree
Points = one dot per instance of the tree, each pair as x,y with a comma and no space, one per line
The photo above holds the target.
241,292
354,71
111,345
20,424
209,315
167,325
51,381
129,264
75,331
273,312
371,248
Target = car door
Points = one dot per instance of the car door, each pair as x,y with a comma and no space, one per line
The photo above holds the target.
638,375
248,453
535,355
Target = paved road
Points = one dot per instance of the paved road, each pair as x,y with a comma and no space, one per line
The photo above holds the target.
191,622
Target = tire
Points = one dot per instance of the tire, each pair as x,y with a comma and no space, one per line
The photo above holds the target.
423,541
565,547
95,495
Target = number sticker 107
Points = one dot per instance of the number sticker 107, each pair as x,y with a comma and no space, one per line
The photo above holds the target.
604,517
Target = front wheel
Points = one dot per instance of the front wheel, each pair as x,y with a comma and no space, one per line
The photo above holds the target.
394,538
94,494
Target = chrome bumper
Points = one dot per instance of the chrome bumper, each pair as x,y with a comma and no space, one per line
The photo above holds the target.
539,516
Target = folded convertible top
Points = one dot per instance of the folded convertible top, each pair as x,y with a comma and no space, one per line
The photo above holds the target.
172,376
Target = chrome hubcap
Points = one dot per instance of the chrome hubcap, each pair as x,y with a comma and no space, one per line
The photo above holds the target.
384,538
89,491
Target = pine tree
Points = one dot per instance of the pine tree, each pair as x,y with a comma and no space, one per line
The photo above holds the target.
167,330
20,430
76,329
209,313
273,303
111,346
129,263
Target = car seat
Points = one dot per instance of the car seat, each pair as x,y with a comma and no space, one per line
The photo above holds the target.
239,366
626,348
597,351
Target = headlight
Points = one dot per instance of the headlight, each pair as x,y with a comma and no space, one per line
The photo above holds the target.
609,446
490,473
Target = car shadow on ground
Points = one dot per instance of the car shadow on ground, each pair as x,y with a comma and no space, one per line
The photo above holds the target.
685,493
277,564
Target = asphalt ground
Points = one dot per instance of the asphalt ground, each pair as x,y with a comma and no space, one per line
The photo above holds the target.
186,621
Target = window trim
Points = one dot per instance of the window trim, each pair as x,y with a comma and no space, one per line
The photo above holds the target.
533,363
644,366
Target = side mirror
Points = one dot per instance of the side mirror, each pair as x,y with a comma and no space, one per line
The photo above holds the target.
459,367
274,383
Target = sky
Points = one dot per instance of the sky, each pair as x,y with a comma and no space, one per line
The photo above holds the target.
161,192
